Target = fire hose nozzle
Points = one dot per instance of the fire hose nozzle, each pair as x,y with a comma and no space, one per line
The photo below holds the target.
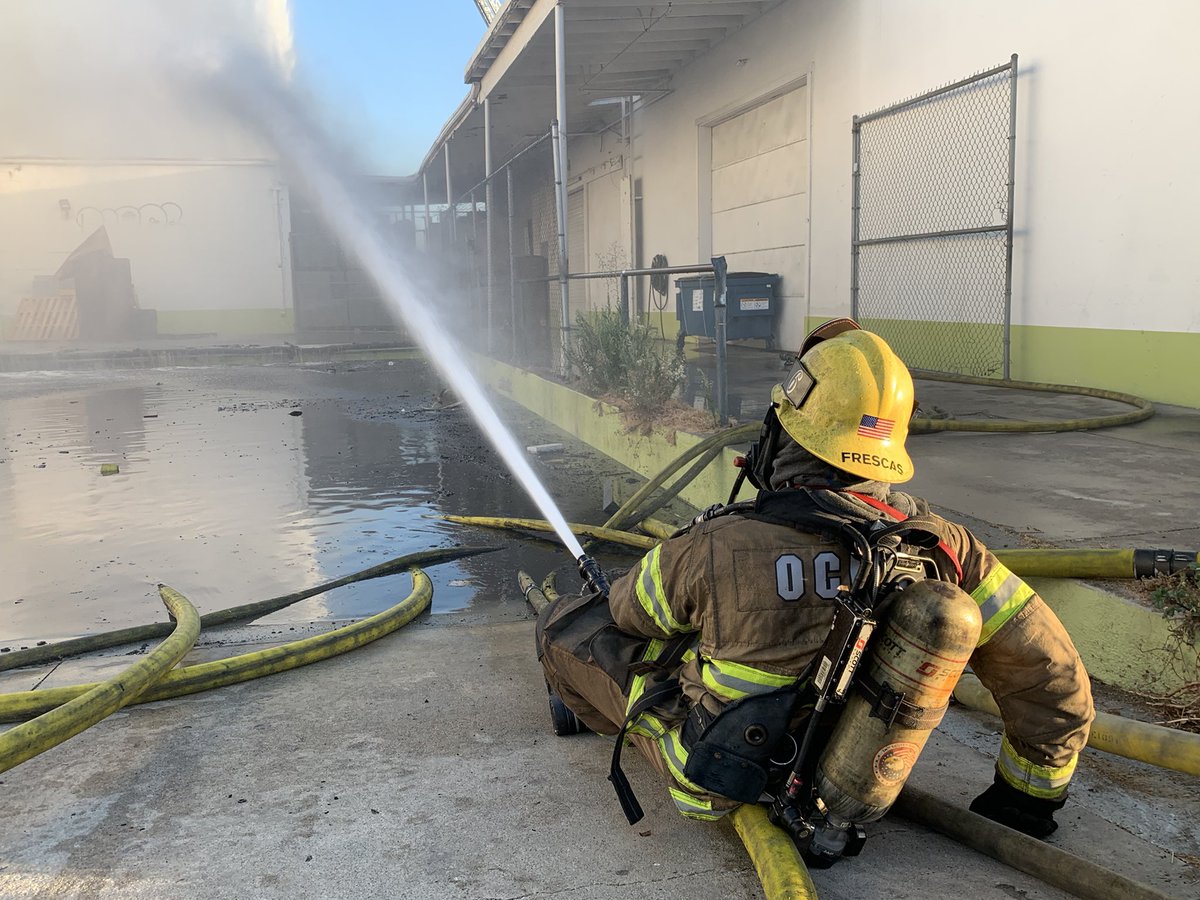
590,572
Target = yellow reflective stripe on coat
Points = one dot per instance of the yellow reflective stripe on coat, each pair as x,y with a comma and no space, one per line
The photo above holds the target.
651,595
695,807
1000,597
1046,782
733,681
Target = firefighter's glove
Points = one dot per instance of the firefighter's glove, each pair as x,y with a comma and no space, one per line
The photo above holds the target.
1005,804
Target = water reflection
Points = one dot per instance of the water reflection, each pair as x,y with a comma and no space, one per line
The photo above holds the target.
226,495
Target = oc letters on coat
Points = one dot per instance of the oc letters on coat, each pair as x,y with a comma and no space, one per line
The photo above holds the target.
823,576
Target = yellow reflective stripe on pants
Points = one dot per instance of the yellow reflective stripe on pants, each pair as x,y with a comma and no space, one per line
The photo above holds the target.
1000,597
733,681
670,747
695,807
1046,782
651,595
651,653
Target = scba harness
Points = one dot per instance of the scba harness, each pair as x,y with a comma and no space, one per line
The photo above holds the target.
753,746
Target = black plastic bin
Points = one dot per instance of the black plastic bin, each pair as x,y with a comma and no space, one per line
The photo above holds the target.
750,301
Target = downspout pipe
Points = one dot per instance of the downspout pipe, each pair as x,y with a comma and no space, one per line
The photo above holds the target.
488,198
451,208
559,127
425,188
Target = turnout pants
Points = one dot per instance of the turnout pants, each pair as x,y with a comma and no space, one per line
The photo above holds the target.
596,668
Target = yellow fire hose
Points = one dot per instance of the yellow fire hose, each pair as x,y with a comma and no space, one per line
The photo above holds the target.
1084,563
657,528
776,859
625,517
1143,409
549,586
534,595
87,707
1056,867
32,656
599,532
1167,748
636,507
236,669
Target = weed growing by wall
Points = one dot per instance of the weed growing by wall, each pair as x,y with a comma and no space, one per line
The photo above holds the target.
629,361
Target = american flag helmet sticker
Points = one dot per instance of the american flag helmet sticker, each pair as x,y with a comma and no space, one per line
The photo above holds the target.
875,427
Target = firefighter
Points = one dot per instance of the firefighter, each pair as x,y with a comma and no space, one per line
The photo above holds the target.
740,603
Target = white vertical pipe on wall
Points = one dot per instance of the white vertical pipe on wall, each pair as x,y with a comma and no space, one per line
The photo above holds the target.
488,197
512,259
425,188
451,209
561,169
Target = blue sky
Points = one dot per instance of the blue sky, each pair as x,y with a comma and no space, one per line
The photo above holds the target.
388,73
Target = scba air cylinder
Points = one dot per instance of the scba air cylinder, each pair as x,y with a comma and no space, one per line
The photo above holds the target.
929,634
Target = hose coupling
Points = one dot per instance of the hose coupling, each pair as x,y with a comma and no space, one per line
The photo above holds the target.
1148,563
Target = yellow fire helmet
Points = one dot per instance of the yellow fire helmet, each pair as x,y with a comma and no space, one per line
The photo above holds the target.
848,403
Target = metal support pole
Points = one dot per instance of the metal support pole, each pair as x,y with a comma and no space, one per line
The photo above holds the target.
425,188
559,138
626,312
856,136
1008,250
512,259
563,273
720,268
451,209
488,197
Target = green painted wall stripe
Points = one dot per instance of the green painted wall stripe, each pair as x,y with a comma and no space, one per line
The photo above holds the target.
227,321
1158,365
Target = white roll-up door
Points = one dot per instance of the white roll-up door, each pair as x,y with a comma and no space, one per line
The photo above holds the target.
760,192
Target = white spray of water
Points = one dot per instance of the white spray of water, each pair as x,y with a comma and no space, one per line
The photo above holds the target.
262,102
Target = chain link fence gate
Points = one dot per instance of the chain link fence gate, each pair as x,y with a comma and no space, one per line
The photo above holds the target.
933,223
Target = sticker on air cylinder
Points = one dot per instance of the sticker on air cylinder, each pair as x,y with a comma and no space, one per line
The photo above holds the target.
894,761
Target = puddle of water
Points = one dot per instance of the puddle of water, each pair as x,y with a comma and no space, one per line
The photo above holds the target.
227,496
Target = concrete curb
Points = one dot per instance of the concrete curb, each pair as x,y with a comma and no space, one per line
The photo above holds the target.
1121,642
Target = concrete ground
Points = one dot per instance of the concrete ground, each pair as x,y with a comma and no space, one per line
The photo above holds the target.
423,766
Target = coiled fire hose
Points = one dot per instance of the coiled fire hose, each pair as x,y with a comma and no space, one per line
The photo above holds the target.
32,656
245,667
59,723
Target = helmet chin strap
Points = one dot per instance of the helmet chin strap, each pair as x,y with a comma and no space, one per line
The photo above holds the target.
760,462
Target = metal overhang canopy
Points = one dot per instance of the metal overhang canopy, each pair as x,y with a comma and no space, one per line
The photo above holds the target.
615,48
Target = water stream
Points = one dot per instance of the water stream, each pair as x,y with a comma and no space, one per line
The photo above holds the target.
263,103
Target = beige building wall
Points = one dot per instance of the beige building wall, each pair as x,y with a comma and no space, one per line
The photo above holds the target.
1104,202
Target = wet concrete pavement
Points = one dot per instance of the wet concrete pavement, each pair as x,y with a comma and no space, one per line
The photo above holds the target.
423,766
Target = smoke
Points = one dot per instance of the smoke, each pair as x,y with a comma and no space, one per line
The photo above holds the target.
240,81
91,75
